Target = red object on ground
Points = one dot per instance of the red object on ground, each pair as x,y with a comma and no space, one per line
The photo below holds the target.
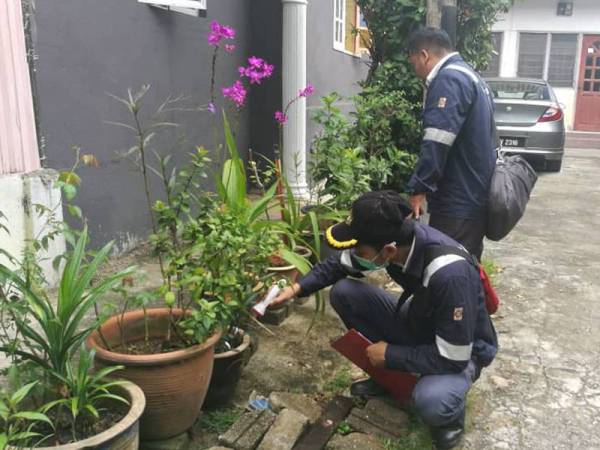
353,346
492,302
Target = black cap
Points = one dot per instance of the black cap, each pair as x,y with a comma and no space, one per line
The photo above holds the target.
377,217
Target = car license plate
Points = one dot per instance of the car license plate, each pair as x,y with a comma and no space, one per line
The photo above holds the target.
513,142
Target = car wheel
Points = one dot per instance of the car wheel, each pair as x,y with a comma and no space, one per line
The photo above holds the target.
553,165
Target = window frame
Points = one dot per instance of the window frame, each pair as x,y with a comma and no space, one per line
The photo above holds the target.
341,20
500,35
547,56
196,8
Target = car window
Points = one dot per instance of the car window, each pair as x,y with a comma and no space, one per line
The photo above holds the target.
519,90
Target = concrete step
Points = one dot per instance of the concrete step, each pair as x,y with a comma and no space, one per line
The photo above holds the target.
581,139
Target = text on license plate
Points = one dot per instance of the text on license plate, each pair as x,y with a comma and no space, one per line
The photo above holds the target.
512,142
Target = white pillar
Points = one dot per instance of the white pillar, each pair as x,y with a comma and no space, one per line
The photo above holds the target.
293,80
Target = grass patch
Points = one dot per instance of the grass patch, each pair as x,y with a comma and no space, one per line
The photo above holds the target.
491,268
339,383
219,420
417,437
344,428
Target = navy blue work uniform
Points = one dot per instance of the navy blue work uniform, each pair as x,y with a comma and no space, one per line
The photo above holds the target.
458,152
443,332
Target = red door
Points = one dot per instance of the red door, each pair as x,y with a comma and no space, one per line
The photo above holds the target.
587,111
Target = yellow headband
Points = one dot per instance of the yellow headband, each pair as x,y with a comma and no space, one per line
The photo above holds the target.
338,244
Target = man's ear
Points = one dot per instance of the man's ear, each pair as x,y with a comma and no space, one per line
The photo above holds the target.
390,248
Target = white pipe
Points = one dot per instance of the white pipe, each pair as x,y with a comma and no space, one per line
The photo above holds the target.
293,80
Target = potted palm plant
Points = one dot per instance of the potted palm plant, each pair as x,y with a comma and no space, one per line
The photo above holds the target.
68,406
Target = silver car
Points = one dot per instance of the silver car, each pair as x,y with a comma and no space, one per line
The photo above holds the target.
530,120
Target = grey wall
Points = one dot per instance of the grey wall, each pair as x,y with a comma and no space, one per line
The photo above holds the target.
86,48
328,69
266,25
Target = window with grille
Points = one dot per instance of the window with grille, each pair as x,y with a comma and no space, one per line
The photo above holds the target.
561,66
493,69
339,24
532,55
551,57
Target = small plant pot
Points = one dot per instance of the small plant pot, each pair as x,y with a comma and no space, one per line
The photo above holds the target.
124,435
226,374
175,383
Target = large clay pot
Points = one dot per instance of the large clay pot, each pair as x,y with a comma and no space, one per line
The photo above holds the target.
226,374
124,435
175,383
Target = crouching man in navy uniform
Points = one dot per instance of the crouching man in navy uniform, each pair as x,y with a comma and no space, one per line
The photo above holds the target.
439,328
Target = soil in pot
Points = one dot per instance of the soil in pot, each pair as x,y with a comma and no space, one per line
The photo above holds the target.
175,383
228,366
117,428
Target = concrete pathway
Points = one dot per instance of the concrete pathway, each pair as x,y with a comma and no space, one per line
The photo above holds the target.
543,390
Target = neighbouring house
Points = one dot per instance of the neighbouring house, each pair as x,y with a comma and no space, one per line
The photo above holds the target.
60,58
558,41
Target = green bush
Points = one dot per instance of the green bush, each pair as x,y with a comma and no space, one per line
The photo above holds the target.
385,128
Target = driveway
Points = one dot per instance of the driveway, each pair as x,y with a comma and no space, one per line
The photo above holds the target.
543,390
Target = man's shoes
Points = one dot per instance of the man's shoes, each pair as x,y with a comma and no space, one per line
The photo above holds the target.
367,388
448,437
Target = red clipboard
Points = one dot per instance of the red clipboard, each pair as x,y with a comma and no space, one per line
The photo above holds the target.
353,346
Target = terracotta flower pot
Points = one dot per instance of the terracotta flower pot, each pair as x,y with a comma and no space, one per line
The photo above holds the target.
124,435
175,383
227,373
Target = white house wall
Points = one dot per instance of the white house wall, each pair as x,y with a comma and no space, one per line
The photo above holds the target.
540,16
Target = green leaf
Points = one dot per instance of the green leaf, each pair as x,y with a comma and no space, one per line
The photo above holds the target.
93,411
4,412
117,398
3,441
18,396
314,221
75,211
258,208
22,436
33,416
234,177
70,191
300,262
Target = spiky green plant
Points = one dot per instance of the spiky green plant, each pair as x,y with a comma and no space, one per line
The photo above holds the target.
52,333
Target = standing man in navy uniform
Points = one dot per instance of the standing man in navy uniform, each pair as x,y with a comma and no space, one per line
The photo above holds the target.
458,152
439,328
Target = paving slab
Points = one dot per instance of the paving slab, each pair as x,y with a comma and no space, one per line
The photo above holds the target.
179,442
302,403
379,417
249,430
355,441
317,435
285,431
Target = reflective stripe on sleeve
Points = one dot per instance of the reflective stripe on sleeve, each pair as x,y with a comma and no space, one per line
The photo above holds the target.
453,352
437,264
464,70
441,136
